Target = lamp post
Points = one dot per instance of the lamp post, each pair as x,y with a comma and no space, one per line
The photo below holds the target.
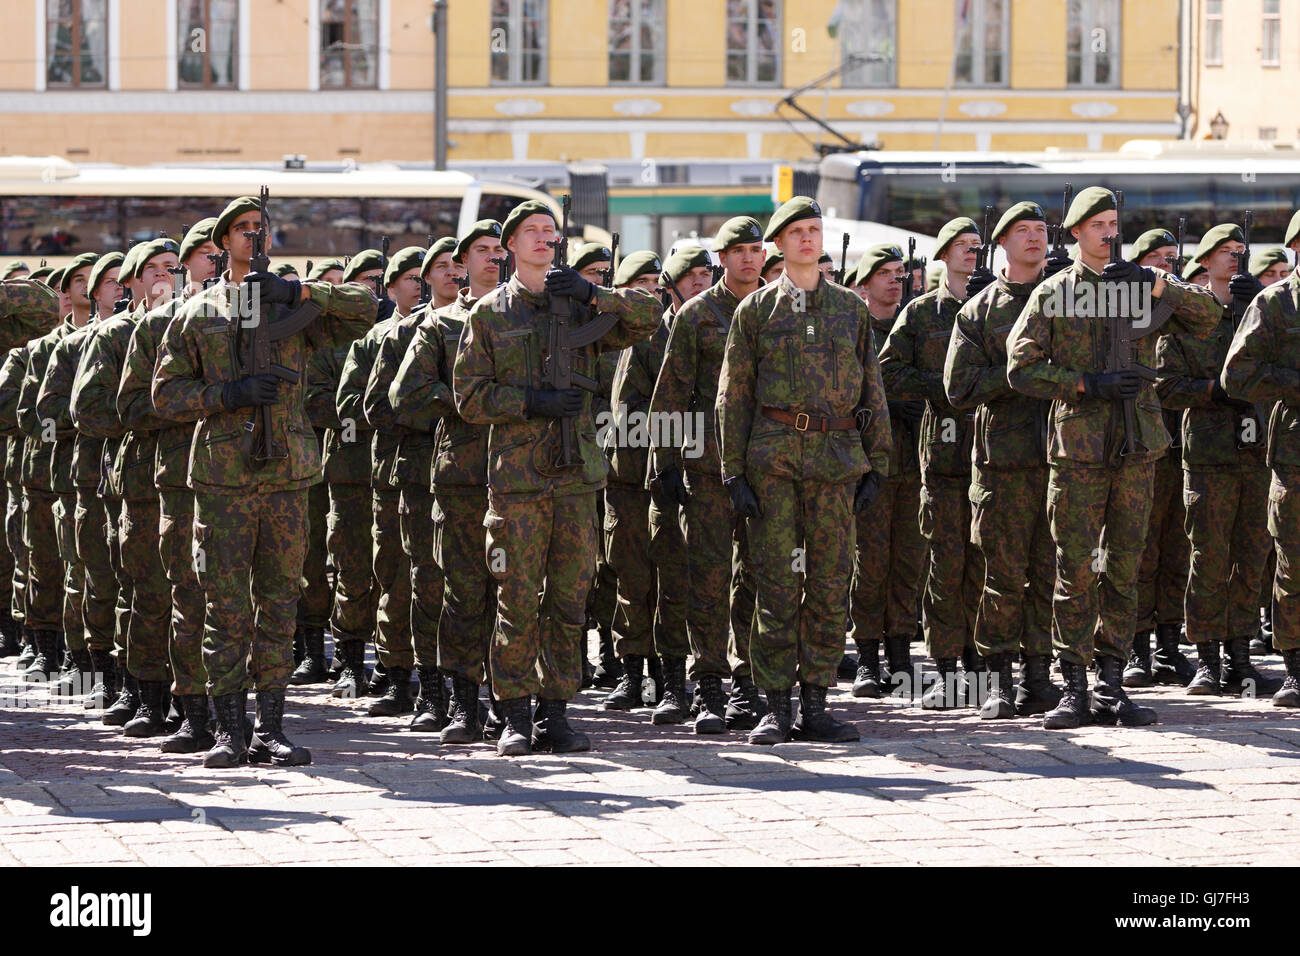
439,84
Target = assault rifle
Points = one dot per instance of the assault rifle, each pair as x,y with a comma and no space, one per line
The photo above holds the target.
383,267
984,254
908,277
1122,339
1246,412
607,275
1180,260
844,257
1058,245
426,292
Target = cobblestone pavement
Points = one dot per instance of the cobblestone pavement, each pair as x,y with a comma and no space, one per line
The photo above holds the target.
1213,783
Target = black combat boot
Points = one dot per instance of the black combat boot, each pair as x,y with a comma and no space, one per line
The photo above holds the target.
847,667
46,661
229,748
1169,665
672,703
26,647
897,676
311,669
1138,671
1206,681
299,649
711,702
815,722
517,735
608,669
774,727
193,734
1036,694
10,632
104,691
551,730
149,716
1072,711
627,693
999,705
352,682
866,682
975,677
465,724
431,706
1288,695
1239,676
493,716
379,680
1110,705
74,675
652,688
1261,644
397,698
128,700
944,693
745,706
270,745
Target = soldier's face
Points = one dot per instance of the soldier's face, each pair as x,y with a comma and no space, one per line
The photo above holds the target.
332,276
200,266
156,277
1275,273
530,241
1092,233
960,254
238,243
442,276
1025,242
743,261
695,281
1201,278
107,292
65,303
478,260
594,272
1222,263
801,242
405,288
77,288
774,273
368,277
1162,258
647,282
885,287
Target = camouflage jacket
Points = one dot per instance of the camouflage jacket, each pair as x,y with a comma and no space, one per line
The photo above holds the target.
626,439
502,354
29,309
1263,366
1050,347
94,395
75,461
687,384
350,402
1010,430
11,381
422,400
413,456
911,365
171,440
38,451
807,352
345,449
903,458
199,354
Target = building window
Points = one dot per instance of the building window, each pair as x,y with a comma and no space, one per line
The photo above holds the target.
636,41
518,41
1268,132
753,42
867,28
349,44
1214,32
1270,39
982,36
76,43
206,51
1092,43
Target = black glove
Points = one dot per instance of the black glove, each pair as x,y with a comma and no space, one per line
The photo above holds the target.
552,403
743,500
909,412
979,280
252,390
123,304
1055,264
566,281
386,308
668,489
1112,386
868,487
271,288
1245,287
1125,271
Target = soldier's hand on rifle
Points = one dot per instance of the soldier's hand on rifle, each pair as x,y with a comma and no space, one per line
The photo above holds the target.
122,304
668,489
979,280
1125,271
552,402
566,281
1055,264
1112,386
868,487
1245,287
743,500
909,412
271,288
252,390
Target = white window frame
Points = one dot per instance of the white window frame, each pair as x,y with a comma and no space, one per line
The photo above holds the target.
977,31
1270,26
1212,53
751,47
635,19
1089,22
514,48
848,77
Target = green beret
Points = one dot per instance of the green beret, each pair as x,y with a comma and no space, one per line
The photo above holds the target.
874,258
14,266
102,265
825,257
363,261
1149,242
285,269
154,247
772,259
1191,269
636,265
588,253
1265,259
484,227
129,262
934,273
325,265
445,244
42,274
1223,232
81,262
950,231
1020,212
1087,204
1292,230
792,210
235,209
408,257
199,233
684,260
533,207
736,230
55,280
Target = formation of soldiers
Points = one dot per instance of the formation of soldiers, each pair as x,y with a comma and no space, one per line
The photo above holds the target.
210,462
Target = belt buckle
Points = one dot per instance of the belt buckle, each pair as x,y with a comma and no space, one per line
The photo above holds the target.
806,421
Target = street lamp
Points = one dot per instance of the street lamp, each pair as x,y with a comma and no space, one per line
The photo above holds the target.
1218,126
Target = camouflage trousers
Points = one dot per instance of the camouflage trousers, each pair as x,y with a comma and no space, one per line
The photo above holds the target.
249,550
542,547
802,552
469,592
314,604
1009,529
349,541
1227,522
887,570
1099,520
709,528
954,575
188,602
8,559
392,570
602,599
44,569
1284,526
125,588
151,595
427,588
742,619
647,556
14,538
1162,575
99,598
74,574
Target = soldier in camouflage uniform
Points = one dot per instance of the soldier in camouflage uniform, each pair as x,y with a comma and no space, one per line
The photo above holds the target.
1056,351
773,267
803,433
541,513
250,515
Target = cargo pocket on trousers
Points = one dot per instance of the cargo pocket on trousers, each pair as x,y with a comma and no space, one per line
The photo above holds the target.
981,499
496,544
925,516
200,549
1282,509
64,539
